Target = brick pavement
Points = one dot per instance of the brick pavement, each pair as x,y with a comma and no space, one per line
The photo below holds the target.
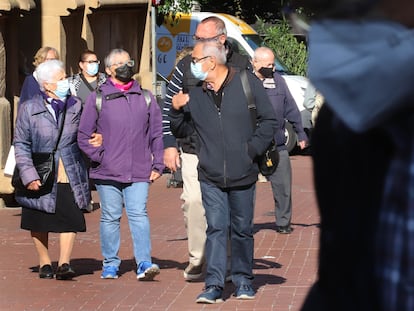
284,265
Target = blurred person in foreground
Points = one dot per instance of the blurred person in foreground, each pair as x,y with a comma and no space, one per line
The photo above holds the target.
37,127
219,114
129,160
360,56
285,109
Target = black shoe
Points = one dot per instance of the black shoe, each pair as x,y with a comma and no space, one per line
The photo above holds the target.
65,272
46,272
284,229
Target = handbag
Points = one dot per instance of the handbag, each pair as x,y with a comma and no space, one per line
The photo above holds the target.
269,160
44,163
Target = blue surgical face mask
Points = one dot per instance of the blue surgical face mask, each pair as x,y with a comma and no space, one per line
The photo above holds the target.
363,68
198,72
92,69
62,89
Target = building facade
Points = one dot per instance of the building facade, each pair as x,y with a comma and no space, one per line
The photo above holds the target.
70,26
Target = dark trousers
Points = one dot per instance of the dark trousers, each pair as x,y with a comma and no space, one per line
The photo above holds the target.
229,209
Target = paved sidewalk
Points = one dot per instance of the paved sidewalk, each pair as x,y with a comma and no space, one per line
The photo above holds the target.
284,265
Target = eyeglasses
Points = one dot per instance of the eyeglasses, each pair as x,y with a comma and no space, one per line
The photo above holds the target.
199,39
92,61
129,63
196,60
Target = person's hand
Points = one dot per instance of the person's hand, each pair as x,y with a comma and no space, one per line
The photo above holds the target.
171,158
179,100
154,176
302,144
34,185
95,140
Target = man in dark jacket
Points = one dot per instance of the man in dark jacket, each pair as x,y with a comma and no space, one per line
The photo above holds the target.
218,113
210,29
285,109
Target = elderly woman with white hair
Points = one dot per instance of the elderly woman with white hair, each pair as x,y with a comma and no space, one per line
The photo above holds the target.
59,210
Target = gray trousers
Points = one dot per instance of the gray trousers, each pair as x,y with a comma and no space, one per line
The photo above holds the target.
281,182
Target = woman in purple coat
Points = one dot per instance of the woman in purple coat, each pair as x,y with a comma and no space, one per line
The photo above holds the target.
37,128
130,158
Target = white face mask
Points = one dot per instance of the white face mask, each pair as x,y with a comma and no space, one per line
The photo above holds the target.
197,71
363,68
92,69
62,89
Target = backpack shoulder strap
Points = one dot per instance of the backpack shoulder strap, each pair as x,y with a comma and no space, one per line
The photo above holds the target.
248,93
147,97
98,100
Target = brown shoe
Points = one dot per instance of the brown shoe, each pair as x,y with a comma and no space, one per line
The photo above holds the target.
193,272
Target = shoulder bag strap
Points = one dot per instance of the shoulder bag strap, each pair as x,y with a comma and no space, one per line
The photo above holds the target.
88,85
60,129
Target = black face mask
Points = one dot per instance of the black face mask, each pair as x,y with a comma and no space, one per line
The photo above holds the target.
266,72
124,73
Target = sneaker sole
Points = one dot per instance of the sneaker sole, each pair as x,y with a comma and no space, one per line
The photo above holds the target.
192,277
149,274
109,277
209,301
245,297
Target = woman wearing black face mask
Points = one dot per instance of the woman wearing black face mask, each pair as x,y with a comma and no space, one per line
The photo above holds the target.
125,72
130,159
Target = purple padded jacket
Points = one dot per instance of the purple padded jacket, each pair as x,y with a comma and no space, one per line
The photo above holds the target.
132,135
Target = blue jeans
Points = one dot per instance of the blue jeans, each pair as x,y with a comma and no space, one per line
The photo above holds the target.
229,208
113,195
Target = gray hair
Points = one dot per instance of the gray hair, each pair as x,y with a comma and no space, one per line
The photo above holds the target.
215,49
46,71
110,56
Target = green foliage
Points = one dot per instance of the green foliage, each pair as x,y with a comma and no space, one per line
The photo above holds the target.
280,39
174,6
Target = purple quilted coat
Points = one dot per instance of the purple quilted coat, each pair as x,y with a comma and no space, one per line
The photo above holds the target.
37,131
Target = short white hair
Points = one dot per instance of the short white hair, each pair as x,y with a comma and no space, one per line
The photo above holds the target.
109,58
215,49
46,71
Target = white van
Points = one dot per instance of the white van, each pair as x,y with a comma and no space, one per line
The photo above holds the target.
174,35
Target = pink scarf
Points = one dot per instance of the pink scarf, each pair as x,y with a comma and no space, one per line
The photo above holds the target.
123,87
